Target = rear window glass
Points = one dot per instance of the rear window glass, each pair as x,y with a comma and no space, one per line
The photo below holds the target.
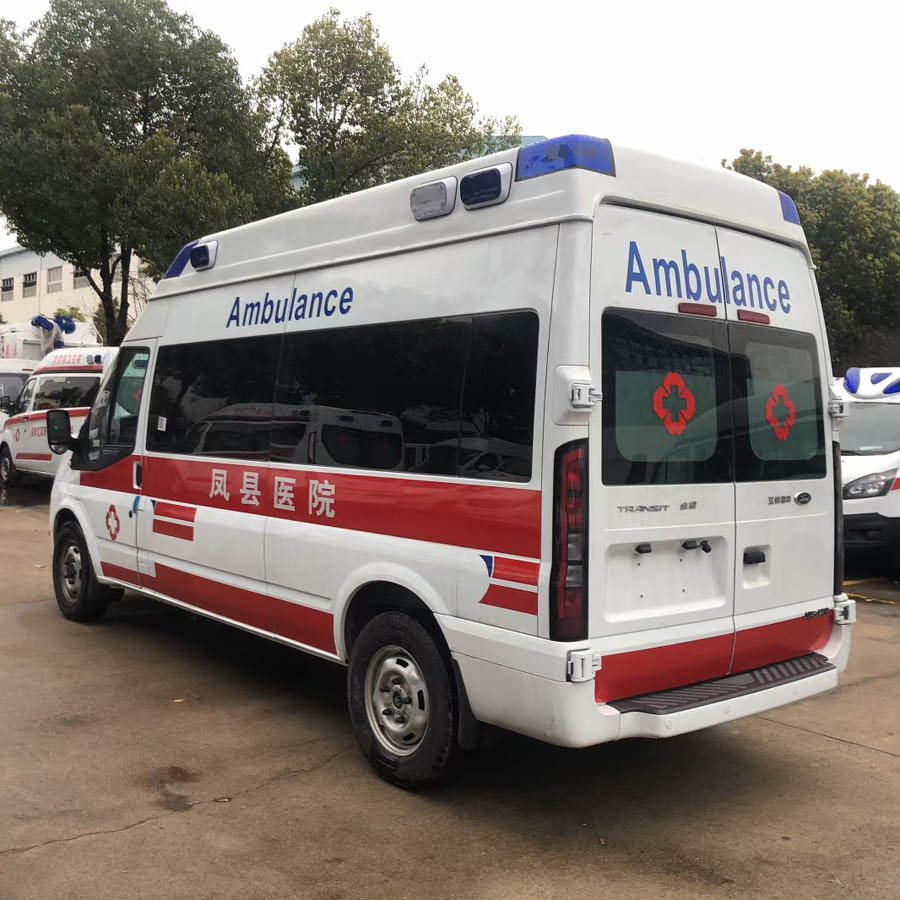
778,404
665,389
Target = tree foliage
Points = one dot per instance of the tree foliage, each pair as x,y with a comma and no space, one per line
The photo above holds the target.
853,229
123,129
336,98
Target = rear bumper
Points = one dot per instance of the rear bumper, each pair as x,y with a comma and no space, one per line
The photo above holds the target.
566,713
862,530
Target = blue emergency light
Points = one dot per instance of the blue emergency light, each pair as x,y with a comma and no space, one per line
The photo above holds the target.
574,151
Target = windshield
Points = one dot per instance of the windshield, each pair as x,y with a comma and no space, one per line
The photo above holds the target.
11,383
66,391
870,429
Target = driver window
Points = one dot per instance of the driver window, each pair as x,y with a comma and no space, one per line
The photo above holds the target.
112,428
23,402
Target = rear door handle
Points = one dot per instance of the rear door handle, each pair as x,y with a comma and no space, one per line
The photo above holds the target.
138,475
754,557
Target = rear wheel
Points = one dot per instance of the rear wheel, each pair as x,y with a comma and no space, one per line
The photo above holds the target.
7,468
403,703
79,595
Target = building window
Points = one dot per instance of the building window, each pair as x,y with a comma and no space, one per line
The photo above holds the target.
29,284
54,279
7,291
79,280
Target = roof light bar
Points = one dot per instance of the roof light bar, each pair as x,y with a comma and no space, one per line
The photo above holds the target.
851,379
788,208
574,151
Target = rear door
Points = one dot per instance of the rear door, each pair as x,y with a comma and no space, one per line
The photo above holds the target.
784,503
662,505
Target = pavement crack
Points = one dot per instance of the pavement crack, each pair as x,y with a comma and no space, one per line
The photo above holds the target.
832,737
287,774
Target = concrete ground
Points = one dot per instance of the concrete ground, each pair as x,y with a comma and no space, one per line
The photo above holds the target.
157,755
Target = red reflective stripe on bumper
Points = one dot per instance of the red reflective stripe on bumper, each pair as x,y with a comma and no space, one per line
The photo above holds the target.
173,511
673,665
174,529
313,627
515,570
511,598
755,647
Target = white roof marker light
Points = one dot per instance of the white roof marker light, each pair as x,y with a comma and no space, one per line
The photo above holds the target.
436,198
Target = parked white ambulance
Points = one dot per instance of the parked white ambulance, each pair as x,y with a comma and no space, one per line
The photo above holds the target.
870,459
657,555
67,379
13,375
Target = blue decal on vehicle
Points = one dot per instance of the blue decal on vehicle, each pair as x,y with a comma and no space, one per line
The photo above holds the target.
489,562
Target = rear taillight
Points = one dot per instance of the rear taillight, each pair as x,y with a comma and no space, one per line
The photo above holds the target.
569,575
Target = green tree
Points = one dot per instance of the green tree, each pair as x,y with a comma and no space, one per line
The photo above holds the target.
853,229
73,312
125,129
336,98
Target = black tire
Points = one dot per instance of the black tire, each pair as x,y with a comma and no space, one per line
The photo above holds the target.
79,595
432,756
7,468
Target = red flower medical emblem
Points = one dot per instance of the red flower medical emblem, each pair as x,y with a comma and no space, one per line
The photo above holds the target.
112,522
674,403
780,412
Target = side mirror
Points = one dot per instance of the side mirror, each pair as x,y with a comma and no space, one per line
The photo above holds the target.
5,404
59,430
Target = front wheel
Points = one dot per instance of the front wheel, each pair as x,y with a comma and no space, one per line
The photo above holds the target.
7,468
402,699
79,595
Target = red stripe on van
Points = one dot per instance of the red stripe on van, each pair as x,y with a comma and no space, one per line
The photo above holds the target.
511,598
515,570
116,477
173,511
673,665
487,517
313,627
755,647
41,456
174,529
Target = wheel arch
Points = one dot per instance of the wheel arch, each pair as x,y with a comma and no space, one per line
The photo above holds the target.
70,512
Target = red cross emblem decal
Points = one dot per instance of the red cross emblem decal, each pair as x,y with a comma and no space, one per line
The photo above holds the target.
112,522
674,403
780,412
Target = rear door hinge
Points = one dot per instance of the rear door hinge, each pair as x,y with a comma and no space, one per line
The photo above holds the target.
583,395
581,665
844,610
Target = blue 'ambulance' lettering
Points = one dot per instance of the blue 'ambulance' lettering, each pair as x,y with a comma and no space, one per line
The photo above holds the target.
296,308
682,279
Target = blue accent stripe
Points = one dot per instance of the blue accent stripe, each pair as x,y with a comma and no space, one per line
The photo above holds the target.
574,151
851,380
489,562
788,208
180,261
880,376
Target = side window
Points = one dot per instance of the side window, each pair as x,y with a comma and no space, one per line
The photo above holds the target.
111,427
66,391
23,401
498,399
778,404
214,398
666,410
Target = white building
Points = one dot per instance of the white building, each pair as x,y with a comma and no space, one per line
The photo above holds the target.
32,284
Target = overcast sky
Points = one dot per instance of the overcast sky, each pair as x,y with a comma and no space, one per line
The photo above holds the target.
809,83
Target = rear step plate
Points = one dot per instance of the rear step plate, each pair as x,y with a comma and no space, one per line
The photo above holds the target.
664,703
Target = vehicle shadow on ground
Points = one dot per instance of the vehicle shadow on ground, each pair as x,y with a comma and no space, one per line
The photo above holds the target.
26,492
624,789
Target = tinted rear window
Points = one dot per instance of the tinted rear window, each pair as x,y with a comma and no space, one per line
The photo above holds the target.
777,404
66,391
666,416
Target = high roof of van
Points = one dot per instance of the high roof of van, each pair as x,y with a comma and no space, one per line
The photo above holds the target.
561,179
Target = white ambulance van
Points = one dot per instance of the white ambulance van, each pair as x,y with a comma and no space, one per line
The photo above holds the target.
66,378
636,343
870,459
13,375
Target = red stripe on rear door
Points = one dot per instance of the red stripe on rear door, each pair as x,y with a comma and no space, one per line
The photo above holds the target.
755,647
174,529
